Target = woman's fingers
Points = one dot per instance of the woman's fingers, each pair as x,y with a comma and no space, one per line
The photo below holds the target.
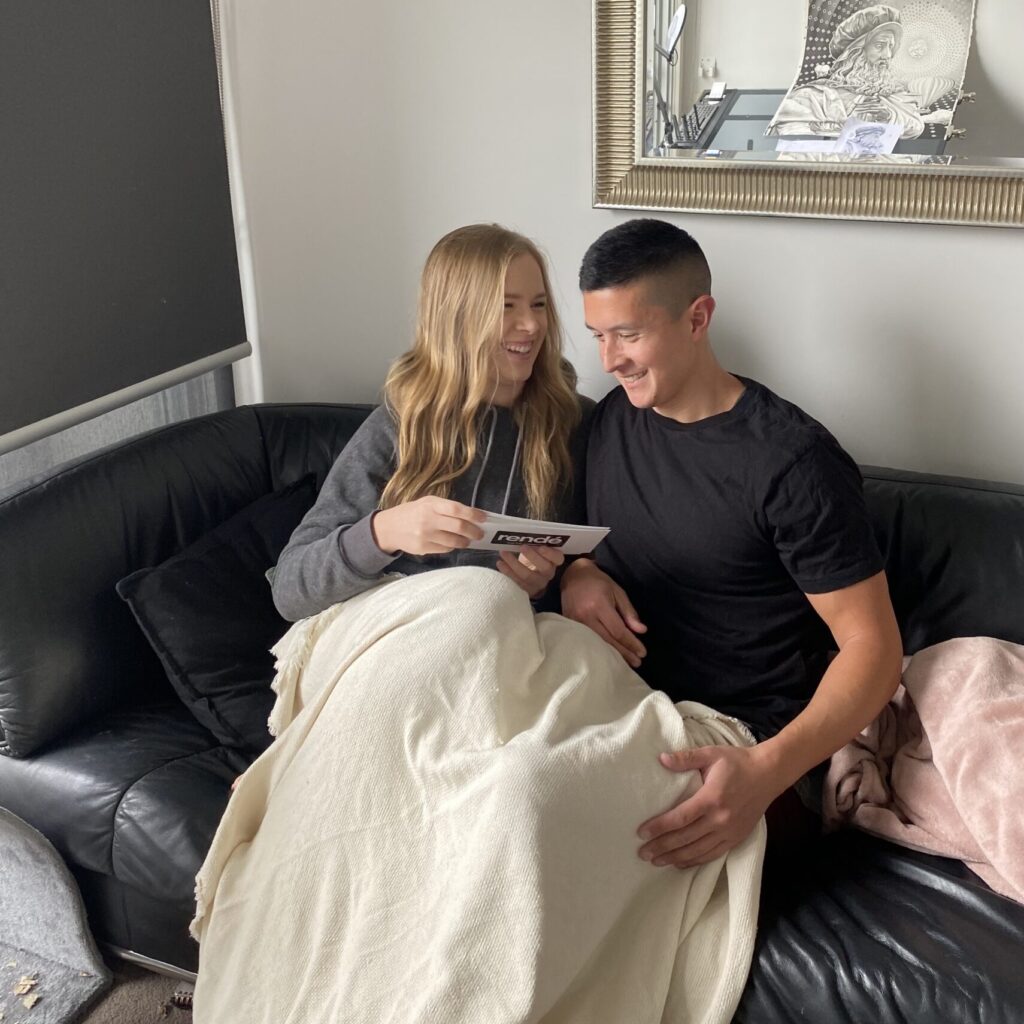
427,526
462,530
531,568
518,569
460,520
439,541
524,558
456,510
543,561
446,525
522,577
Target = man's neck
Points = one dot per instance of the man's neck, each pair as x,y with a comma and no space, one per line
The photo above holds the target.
708,393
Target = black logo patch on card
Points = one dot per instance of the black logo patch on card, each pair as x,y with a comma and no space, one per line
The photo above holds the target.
551,540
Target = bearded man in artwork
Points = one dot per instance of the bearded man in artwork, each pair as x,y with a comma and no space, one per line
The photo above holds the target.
860,84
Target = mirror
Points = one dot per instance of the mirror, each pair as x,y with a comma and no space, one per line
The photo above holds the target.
911,110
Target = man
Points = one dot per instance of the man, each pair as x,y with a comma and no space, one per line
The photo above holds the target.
860,83
738,534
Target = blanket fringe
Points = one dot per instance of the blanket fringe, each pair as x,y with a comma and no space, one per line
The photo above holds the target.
292,653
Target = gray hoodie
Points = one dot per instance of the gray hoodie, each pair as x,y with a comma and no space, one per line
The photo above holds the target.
332,554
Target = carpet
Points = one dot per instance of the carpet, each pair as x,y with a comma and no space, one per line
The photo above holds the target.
50,969
138,996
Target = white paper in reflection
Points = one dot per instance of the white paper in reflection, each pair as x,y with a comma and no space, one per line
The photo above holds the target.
807,146
867,138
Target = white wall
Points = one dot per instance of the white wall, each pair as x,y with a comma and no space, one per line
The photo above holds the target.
368,130
754,45
995,122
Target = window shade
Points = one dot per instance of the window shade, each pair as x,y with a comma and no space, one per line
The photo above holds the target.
118,268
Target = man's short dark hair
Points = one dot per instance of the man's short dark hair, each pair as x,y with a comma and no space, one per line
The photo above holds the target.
648,249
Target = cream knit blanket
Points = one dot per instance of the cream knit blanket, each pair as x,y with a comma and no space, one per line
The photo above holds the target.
445,830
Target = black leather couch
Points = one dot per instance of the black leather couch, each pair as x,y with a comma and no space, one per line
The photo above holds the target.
110,765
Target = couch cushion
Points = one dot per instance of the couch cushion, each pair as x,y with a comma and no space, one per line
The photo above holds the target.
122,916
69,649
72,793
954,554
301,439
861,930
165,823
209,615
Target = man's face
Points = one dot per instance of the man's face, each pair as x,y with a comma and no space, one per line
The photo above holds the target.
880,49
649,350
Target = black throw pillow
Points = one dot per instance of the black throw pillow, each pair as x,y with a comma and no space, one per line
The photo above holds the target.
209,615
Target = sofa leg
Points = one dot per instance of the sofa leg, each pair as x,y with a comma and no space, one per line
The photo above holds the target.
157,966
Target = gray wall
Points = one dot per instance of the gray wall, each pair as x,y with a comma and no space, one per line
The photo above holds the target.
367,131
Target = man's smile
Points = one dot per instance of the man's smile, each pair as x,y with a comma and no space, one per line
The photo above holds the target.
632,378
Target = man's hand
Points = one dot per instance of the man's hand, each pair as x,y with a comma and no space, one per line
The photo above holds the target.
592,597
736,791
532,569
426,526
740,782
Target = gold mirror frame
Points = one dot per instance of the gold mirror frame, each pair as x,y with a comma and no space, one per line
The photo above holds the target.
623,179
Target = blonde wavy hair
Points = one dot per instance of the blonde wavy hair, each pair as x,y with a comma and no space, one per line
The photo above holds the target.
439,389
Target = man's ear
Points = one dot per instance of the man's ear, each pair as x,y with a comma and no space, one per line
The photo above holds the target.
701,310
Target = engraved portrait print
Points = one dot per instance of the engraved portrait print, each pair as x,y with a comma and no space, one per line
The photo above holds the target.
900,63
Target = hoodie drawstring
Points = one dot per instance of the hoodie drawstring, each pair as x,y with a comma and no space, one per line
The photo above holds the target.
487,455
512,470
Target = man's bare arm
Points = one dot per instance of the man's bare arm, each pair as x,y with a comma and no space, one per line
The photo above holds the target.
860,681
740,783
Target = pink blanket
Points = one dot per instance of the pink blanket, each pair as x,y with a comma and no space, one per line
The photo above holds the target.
942,767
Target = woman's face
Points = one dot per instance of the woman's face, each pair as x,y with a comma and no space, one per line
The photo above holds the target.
524,327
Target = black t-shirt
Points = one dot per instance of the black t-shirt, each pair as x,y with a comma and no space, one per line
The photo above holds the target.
718,530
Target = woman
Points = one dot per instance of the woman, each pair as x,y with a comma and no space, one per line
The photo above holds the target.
443,829
481,413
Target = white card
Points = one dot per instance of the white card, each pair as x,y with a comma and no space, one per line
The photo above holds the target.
509,533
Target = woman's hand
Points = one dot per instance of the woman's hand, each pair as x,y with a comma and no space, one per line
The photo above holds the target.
426,526
533,568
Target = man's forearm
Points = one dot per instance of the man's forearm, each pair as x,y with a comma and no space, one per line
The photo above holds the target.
857,685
